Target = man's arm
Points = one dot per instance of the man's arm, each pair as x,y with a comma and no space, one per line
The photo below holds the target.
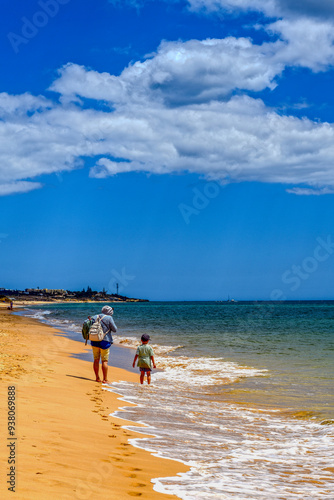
111,325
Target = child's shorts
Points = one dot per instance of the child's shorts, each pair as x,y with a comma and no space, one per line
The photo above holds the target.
145,370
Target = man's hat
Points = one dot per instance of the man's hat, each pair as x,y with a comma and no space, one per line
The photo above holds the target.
108,310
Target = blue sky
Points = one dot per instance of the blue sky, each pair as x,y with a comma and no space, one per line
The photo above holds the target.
183,149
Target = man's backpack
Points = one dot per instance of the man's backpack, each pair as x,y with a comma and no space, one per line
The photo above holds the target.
96,332
86,328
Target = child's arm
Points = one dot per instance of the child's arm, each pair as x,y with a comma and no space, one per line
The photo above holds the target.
152,359
134,361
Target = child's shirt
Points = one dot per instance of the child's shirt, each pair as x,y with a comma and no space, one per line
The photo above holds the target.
144,353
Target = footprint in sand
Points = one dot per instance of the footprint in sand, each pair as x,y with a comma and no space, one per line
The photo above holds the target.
134,494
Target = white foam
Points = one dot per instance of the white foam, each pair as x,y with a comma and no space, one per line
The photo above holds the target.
37,314
134,342
204,371
233,451
44,316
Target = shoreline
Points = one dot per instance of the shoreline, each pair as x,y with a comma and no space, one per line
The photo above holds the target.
26,302
68,443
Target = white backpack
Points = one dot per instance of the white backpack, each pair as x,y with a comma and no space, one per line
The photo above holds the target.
96,332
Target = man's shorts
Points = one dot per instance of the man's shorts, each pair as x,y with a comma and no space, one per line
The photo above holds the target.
98,352
145,370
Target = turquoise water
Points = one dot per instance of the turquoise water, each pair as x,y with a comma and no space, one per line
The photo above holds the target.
246,395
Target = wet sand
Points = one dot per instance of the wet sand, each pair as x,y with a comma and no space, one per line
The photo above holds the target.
67,445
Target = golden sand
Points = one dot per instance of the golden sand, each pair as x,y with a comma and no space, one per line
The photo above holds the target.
68,446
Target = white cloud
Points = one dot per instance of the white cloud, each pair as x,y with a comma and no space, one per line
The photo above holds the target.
235,140
317,8
10,104
179,73
308,43
179,110
268,7
105,168
196,71
274,8
18,187
310,192
76,81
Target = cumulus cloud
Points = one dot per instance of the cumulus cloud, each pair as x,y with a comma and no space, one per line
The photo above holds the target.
307,43
10,104
18,187
198,71
231,141
35,140
274,8
180,73
180,110
268,7
239,140
318,8
310,192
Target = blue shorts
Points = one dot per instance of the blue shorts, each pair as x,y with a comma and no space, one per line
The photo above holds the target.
145,370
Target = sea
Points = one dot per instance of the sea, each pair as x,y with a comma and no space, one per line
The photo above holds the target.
243,393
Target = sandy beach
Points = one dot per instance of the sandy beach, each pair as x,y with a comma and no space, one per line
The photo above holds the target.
67,445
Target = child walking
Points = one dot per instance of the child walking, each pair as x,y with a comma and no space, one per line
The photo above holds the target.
145,356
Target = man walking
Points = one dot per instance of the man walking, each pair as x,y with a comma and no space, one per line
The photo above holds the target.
101,349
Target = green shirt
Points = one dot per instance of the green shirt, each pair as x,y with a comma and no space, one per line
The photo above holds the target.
144,353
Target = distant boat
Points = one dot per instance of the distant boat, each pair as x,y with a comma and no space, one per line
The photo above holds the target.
231,300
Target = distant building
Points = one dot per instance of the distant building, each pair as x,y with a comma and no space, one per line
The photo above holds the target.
46,291
57,291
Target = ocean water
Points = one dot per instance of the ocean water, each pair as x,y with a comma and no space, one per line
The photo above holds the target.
245,395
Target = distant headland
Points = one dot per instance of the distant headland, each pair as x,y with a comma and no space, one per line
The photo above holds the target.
60,295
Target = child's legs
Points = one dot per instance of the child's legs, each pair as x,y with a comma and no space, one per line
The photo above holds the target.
142,376
148,377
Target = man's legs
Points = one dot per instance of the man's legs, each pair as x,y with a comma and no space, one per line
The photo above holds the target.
96,354
104,355
104,360
105,372
96,369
